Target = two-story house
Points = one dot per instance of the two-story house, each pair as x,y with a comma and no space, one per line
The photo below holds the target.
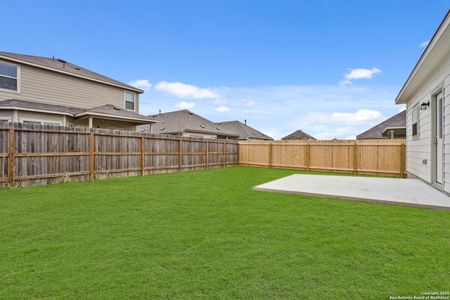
42,90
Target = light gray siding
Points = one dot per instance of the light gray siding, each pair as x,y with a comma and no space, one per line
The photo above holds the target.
420,148
57,88
447,130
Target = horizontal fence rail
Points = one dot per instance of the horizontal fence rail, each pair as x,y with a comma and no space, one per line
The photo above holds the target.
35,154
372,157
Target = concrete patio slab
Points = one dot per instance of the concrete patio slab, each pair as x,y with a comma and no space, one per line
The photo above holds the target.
411,192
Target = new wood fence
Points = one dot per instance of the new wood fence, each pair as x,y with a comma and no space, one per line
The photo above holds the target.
378,157
34,154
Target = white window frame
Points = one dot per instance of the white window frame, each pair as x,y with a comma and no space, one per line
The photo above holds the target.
417,109
41,122
125,100
16,78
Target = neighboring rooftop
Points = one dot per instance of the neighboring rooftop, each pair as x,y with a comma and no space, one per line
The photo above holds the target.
179,121
395,122
298,135
104,110
62,66
243,131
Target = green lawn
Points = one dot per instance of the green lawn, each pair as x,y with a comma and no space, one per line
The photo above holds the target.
206,234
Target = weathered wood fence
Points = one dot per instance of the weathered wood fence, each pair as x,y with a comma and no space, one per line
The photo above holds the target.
378,157
34,154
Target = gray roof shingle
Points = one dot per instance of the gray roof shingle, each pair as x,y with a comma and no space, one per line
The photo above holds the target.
33,105
104,110
114,111
298,135
63,66
376,132
243,131
176,122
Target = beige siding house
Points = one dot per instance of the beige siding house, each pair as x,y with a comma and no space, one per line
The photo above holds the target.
53,91
426,93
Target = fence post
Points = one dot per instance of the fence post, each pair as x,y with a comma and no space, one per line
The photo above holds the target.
270,155
378,159
402,160
142,155
91,155
355,158
224,154
238,147
180,153
308,157
11,156
206,155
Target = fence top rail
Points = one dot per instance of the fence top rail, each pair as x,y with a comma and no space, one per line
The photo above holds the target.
319,141
397,142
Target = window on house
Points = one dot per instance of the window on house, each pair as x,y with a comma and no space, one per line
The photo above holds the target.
8,77
129,100
3,121
415,120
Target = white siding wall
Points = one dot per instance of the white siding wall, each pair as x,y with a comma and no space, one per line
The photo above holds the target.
56,88
420,148
447,130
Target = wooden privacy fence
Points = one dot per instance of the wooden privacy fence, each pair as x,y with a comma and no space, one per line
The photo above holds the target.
34,154
378,157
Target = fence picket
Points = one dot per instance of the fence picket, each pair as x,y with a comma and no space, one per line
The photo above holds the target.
369,156
35,154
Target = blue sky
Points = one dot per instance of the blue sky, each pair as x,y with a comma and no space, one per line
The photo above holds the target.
331,68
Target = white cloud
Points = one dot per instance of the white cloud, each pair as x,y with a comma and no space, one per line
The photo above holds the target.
424,44
280,110
360,73
142,84
249,102
329,133
401,109
222,109
362,115
185,105
182,90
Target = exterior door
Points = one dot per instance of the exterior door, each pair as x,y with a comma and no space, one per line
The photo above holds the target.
439,130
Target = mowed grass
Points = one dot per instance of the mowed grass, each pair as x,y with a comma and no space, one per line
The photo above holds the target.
206,234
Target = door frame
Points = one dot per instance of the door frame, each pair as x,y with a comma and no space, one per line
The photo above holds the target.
434,182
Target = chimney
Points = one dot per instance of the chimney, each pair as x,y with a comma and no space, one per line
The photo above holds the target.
245,122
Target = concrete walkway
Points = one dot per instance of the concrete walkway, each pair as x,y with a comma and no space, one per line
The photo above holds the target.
412,192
